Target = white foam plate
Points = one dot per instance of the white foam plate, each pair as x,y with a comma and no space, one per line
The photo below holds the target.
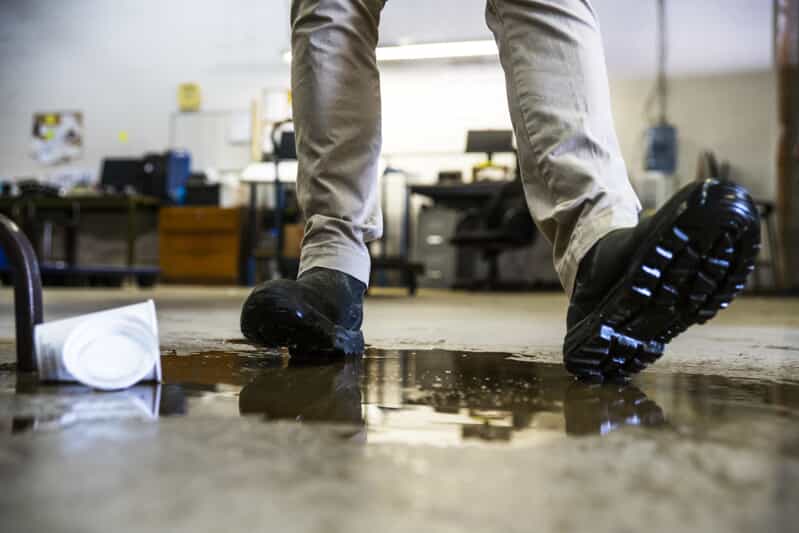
111,353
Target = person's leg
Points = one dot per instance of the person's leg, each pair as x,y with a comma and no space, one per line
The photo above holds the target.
633,285
336,101
574,176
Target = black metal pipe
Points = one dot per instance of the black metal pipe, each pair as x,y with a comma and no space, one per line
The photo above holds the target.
27,290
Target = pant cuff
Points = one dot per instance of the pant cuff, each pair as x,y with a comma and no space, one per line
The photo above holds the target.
586,235
353,261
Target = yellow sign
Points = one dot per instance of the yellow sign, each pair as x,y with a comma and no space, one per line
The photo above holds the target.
189,97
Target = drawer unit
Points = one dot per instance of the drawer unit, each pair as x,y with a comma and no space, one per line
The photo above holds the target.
435,228
200,244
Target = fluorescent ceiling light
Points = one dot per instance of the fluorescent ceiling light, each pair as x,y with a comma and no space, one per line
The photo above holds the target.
451,50
437,50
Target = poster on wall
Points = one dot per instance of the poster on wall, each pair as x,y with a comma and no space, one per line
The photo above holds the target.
57,137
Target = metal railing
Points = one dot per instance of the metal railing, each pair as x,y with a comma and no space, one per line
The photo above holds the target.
27,290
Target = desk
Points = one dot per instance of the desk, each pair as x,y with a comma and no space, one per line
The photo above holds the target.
439,258
30,211
461,267
460,195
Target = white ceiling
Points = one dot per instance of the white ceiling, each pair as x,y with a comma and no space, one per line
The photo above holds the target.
704,35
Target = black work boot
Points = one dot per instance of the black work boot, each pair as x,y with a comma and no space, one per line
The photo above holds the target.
638,288
319,315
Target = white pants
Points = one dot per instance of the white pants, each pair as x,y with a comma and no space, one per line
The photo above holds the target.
574,177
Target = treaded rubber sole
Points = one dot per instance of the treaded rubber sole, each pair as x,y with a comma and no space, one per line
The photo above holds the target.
692,265
591,408
306,333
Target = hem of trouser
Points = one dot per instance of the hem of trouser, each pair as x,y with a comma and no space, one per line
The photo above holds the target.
354,262
586,235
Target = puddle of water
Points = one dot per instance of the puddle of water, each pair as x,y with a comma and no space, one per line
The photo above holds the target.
433,396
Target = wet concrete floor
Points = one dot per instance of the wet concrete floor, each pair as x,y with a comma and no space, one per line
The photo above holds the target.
435,397
422,434
242,439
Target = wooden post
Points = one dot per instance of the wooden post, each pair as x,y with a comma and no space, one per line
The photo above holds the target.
786,47
256,131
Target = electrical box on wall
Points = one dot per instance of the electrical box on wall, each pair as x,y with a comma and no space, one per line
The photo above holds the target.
661,149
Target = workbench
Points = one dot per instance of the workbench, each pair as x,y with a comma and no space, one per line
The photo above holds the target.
30,212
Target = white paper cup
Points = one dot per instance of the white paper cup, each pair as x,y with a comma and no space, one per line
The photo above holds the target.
108,350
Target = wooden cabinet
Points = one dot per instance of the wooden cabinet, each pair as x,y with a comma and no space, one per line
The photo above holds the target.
200,244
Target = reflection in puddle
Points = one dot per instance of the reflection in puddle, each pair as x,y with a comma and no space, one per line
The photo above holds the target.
58,406
435,396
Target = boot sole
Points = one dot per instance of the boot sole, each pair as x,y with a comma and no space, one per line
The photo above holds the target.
694,263
307,334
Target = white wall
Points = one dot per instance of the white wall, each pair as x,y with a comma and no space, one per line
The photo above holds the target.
733,114
706,35
120,63
428,109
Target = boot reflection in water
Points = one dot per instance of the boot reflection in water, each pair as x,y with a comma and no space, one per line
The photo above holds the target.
332,393
312,392
591,408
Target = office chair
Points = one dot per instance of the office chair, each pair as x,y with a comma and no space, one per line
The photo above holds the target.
503,224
